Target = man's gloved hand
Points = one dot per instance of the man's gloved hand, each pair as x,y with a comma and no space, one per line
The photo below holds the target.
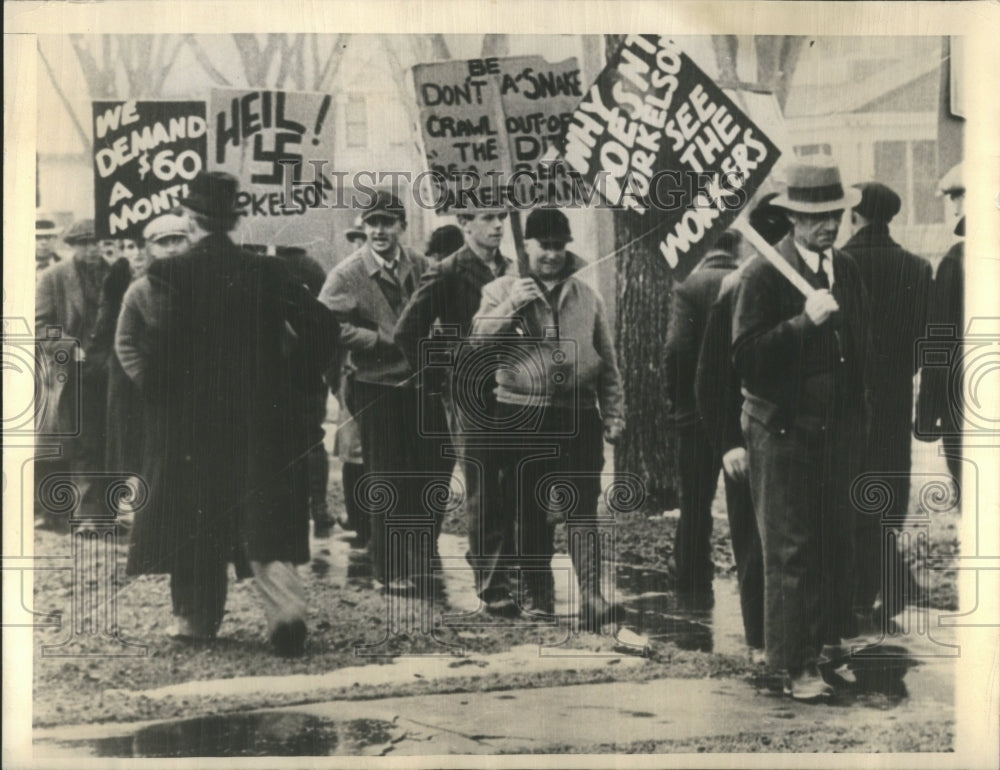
820,305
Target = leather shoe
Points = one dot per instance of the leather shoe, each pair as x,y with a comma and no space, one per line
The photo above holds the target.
807,686
502,607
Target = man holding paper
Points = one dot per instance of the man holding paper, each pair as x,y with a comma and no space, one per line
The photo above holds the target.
801,351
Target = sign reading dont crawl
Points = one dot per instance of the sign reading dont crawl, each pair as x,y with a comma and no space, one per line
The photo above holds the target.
494,120
145,153
654,134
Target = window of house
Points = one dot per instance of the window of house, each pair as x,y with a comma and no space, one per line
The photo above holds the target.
911,169
356,122
805,150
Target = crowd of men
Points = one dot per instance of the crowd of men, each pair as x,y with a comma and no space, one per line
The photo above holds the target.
204,367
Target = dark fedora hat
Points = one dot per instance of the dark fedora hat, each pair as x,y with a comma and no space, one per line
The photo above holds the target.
213,194
878,202
815,188
547,225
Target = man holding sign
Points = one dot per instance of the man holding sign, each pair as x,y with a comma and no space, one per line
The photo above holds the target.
802,362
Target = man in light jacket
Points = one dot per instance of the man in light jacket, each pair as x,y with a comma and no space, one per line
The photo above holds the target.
559,392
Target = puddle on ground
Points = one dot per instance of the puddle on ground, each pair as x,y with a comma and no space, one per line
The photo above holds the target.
247,735
647,603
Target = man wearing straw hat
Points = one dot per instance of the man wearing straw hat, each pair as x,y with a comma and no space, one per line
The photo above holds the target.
801,349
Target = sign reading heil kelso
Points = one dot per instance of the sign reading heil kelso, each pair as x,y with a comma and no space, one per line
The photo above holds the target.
279,145
145,153
495,121
654,134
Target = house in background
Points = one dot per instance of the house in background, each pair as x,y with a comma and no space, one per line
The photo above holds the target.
873,105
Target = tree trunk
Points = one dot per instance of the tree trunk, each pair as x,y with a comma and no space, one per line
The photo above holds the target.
649,446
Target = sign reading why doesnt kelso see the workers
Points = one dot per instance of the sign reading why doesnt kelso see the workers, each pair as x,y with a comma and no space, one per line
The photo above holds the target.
145,153
654,134
279,145
495,116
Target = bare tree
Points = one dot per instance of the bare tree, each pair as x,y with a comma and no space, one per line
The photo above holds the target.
643,286
495,46
649,446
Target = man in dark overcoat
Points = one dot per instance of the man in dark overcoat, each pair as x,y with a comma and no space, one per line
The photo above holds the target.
939,411
700,463
720,404
898,284
221,456
802,363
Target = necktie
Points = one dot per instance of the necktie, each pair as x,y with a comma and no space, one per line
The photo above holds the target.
822,279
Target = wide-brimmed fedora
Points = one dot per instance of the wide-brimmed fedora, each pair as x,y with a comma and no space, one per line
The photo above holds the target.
213,194
815,188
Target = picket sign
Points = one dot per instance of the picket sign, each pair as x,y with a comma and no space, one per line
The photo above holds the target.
144,154
654,134
494,116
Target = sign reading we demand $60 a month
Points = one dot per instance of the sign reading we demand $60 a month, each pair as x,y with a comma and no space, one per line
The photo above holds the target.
145,153
654,134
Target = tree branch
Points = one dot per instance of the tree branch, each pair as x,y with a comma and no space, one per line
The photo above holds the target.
204,61
161,78
96,79
495,45
84,139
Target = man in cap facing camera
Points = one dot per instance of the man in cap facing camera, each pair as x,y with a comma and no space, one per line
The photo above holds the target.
367,292
802,363
167,236
67,297
898,285
223,435
560,378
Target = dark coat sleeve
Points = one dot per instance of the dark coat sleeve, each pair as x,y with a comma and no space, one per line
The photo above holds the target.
946,308
420,313
717,386
681,351
314,325
763,341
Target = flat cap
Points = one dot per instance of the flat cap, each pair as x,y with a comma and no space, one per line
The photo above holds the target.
878,202
81,230
164,226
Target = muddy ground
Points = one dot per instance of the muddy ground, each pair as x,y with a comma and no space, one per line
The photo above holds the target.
344,613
